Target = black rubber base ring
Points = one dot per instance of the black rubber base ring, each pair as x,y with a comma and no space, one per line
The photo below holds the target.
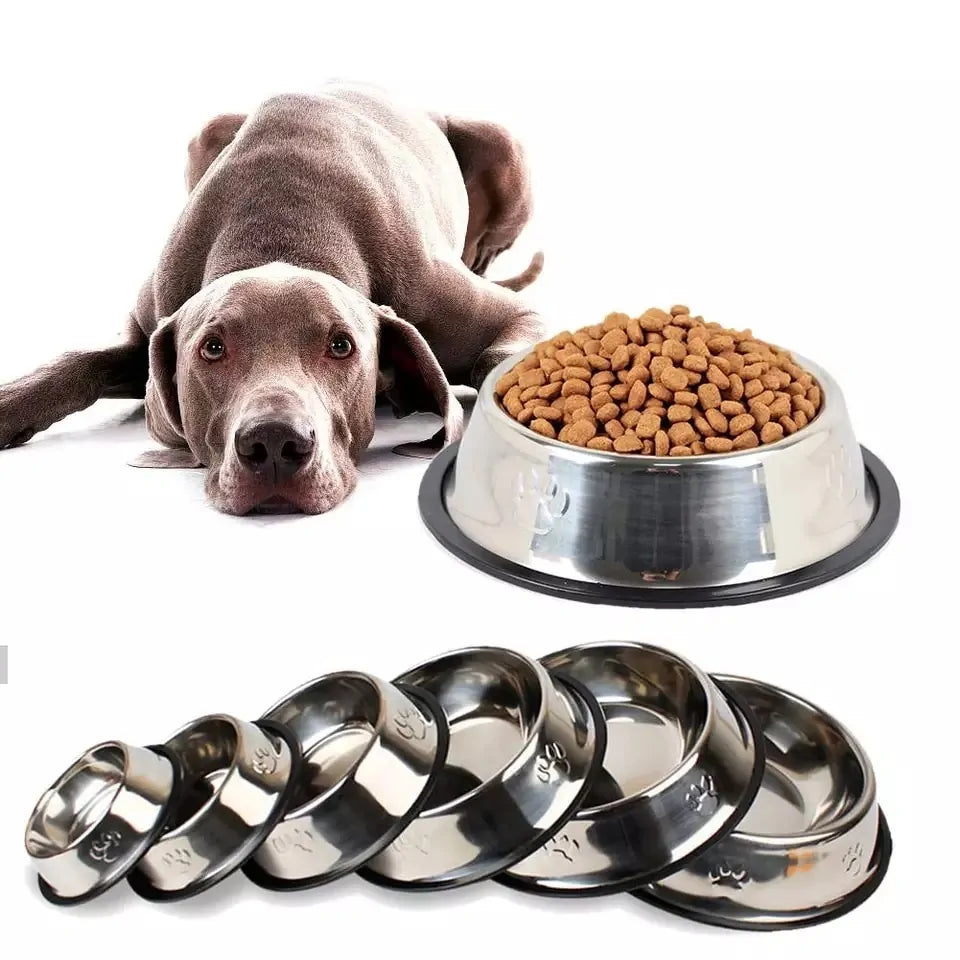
431,706
163,818
878,531
143,888
882,854
749,720
590,778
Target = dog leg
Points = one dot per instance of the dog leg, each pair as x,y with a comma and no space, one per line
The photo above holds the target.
497,179
72,383
208,144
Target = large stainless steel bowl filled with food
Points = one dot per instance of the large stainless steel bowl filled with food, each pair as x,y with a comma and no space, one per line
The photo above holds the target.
615,527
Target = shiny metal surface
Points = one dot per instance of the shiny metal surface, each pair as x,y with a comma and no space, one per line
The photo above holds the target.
96,821
369,755
680,764
235,780
809,840
523,751
627,520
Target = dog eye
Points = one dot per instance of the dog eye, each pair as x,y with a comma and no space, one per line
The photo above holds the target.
341,346
212,349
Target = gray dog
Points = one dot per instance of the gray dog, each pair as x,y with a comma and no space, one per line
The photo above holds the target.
332,250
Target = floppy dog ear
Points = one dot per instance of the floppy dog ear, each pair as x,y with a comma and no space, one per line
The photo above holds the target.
414,381
162,403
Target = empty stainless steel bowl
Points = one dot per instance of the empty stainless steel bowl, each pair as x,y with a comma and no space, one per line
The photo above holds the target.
621,528
237,778
90,828
371,752
814,843
681,768
524,749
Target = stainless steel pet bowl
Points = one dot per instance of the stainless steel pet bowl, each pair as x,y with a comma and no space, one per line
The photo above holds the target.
813,845
524,749
237,779
371,753
621,528
90,828
681,769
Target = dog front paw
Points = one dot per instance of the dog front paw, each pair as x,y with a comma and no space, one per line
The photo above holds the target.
14,431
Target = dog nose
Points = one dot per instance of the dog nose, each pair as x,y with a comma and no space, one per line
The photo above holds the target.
273,446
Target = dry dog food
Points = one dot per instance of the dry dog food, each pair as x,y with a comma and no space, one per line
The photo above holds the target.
661,384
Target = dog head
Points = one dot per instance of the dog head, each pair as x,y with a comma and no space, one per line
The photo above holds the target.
269,377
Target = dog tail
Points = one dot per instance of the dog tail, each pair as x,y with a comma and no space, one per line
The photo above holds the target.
522,280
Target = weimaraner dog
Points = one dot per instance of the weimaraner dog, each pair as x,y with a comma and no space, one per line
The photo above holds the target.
332,250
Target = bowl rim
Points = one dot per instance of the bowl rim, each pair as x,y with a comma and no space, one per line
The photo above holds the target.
81,762
829,388
865,801
691,754
517,761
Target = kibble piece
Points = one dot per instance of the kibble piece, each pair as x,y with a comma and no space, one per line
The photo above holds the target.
532,378
634,332
681,451
674,379
574,402
716,420
702,426
735,391
598,363
603,378
677,412
682,434
718,444
506,382
600,443
695,364
674,349
800,419
717,377
746,441
661,444
698,448
613,339
600,398
572,387
789,424
582,413
628,443
647,425
741,423
732,408
580,432
659,392
620,358
614,429
761,414
637,395
630,418
512,401
709,394
549,391
525,415
548,413
608,412
620,391
813,395
752,388
544,428
804,405
771,433
677,309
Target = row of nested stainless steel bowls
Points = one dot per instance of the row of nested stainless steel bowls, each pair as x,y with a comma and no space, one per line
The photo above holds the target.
604,767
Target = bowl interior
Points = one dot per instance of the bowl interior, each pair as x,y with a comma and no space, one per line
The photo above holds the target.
207,751
492,701
814,774
335,719
77,802
655,706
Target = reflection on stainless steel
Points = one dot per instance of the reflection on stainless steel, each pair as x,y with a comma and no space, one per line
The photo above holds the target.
523,750
235,777
809,841
680,766
620,519
369,755
92,825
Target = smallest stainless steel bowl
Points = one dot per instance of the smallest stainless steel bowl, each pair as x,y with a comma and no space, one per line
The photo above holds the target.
813,845
682,767
90,828
524,749
371,753
237,778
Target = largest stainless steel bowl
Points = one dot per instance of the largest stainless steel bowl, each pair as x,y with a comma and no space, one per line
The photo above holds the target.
623,520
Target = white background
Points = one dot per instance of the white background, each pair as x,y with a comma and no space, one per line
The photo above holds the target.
788,167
